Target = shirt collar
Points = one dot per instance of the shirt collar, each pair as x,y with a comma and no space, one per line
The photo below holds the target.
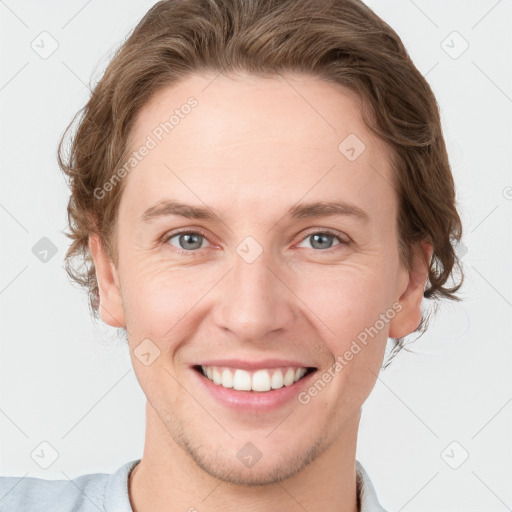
117,498
368,501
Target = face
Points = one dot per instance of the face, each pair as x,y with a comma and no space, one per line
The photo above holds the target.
255,239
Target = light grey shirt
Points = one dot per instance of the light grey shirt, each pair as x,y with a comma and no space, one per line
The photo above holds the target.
102,492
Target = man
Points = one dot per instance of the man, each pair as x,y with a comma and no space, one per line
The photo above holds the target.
251,185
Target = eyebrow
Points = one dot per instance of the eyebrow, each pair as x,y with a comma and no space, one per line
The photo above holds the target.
301,211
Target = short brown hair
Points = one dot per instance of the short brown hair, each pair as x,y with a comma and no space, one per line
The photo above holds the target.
341,41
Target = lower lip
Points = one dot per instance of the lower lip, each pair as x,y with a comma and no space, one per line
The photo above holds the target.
253,401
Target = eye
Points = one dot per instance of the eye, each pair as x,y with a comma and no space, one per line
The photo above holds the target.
323,240
187,240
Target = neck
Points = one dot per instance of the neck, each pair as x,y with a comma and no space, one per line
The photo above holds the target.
168,479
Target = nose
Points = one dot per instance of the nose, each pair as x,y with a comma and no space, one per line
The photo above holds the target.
254,301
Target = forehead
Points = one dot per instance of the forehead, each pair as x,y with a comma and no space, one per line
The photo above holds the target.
255,141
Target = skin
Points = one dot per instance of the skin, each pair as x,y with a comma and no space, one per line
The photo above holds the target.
251,149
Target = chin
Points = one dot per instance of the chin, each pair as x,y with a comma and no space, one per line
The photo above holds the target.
227,465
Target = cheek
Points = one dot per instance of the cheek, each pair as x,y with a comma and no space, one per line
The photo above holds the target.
156,296
346,299
351,305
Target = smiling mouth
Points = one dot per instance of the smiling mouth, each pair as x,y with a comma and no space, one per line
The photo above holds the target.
262,380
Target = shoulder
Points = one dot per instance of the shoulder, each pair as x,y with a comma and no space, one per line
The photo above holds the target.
85,493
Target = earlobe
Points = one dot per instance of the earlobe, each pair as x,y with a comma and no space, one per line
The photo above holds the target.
409,316
111,307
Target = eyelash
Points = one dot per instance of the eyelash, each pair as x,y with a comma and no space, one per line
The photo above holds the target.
201,233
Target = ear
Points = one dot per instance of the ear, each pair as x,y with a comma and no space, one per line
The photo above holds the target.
111,304
408,318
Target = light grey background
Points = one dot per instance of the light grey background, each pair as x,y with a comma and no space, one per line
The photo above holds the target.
67,381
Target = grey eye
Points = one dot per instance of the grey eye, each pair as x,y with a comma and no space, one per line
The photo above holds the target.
188,241
322,240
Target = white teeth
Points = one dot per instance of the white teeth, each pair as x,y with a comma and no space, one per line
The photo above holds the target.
289,377
260,380
277,380
216,376
299,373
241,380
227,379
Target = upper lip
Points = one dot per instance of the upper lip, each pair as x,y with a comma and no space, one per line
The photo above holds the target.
254,365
